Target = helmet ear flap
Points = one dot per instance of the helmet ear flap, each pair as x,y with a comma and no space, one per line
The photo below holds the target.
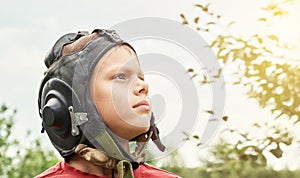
56,96
55,111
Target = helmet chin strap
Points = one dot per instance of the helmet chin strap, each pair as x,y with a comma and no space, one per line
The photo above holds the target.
123,167
142,142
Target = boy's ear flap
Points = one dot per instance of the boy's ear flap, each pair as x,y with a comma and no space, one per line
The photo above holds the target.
56,97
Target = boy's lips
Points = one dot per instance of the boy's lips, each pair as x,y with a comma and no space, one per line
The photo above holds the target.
144,105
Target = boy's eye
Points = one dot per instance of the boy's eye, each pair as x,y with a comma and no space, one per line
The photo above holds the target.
120,76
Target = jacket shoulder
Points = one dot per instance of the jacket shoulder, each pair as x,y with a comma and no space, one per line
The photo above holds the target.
146,170
53,171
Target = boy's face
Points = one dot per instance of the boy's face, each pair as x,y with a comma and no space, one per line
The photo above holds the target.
118,89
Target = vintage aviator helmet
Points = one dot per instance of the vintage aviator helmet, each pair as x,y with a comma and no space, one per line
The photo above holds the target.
68,114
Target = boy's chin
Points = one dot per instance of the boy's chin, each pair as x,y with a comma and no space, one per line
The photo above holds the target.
139,131
137,125
140,121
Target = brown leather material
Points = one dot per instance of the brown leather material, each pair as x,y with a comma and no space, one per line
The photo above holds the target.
78,44
95,156
99,158
155,138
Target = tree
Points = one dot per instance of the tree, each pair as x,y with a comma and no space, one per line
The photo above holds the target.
264,69
6,123
33,161
248,150
24,162
268,75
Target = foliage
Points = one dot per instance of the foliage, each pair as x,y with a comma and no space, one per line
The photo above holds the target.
248,150
25,162
226,160
174,163
6,123
232,168
271,83
34,161
268,75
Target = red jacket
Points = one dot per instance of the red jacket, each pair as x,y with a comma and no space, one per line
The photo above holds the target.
64,170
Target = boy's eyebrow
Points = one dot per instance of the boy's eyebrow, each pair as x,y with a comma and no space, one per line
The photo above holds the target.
129,69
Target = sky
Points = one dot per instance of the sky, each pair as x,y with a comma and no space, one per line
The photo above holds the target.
29,28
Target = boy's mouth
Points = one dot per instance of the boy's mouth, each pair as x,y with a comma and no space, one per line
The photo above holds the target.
143,105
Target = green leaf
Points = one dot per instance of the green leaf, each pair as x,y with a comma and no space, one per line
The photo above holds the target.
210,23
277,152
196,137
262,19
273,37
193,76
196,20
185,22
182,16
231,23
209,111
190,70
225,118
199,5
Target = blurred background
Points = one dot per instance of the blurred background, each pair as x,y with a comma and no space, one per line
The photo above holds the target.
257,44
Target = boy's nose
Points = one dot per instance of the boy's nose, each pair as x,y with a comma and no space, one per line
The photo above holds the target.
140,87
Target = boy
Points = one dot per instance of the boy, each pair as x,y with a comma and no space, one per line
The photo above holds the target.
94,101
